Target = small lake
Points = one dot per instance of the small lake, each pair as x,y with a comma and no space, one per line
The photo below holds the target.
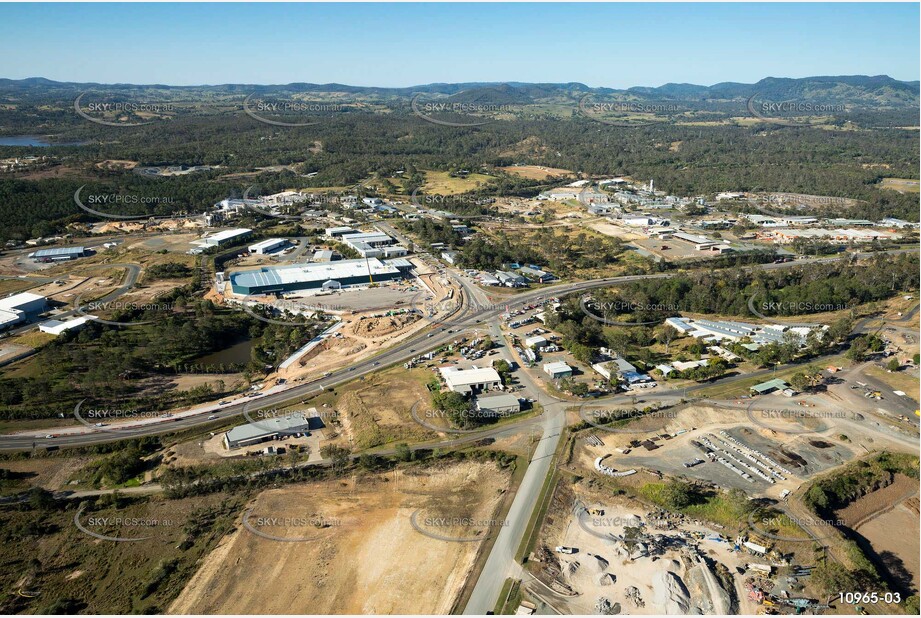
237,354
33,140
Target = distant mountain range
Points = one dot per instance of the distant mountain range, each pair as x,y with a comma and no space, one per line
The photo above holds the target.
863,90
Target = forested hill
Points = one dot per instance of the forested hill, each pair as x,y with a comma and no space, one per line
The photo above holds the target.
859,90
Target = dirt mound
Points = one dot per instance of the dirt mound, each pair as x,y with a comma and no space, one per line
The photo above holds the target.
378,326
670,593
599,563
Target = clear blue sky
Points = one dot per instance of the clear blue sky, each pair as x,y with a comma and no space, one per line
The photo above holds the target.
615,45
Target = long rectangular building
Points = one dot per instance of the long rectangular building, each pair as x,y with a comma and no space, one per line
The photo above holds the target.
331,275
58,254
272,428
21,307
224,237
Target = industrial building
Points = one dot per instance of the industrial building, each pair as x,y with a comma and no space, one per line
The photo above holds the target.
267,246
769,387
473,380
224,237
20,308
324,256
58,254
834,235
335,232
558,370
536,274
369,244
56,327
295,424
500,404
536,342
511,280
330,275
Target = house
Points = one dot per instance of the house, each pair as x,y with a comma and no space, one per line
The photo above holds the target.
557,370
679,366
324,256
450,256
724,353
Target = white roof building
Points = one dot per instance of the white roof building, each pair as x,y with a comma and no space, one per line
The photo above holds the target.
56,327
536,342
557,370
223,237
20,307
470,380
267,246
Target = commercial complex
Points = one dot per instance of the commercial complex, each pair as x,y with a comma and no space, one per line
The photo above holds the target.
330,275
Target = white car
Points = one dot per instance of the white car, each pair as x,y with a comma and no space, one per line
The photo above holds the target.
562,549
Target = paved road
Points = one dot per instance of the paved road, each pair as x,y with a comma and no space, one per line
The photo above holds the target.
399,353
131,278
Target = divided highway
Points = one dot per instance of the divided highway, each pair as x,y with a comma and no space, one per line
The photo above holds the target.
401,352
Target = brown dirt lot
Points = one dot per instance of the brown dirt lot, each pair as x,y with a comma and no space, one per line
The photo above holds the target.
377,410
51,473
888,519
369,559
867,507
536,172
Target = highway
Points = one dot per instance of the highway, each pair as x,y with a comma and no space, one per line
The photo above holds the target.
399,353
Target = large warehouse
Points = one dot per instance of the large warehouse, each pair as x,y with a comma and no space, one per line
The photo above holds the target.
344,273
58,254
21,307
224,237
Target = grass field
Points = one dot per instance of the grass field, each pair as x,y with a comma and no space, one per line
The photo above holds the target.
902,185
442,183
715,507
14,286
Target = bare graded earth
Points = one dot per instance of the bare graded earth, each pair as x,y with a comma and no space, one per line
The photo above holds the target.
369,559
